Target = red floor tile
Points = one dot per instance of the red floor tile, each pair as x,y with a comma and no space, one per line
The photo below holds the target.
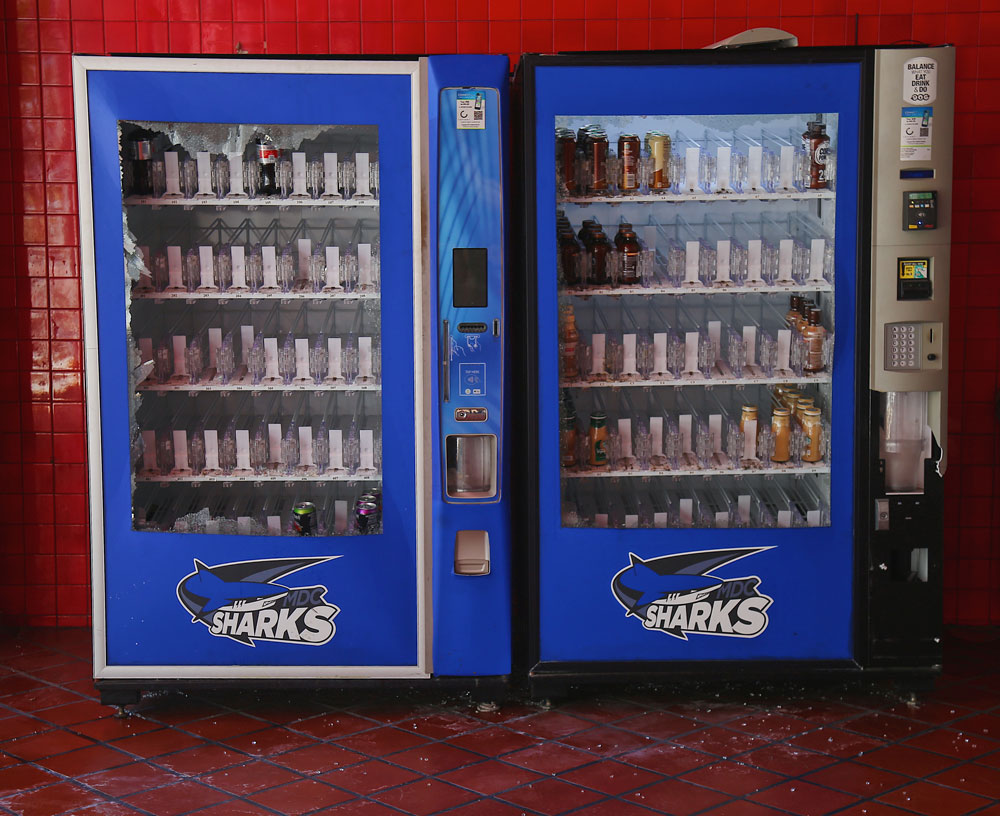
73,713
771,726
803,798
837,742
789,760
550,797
606,740
985,725
300,797
874,809
604,711
721,742
172,800
359,807
332,725
742,808
47,801
201,760
910,761
493,741
488,778
934,800
713,712
157,743
732,778
667,758
18,725
382,741
550,725
138,776
435,758
861,780
317,759
441,726
486,807
425,796
659,725
884,726
220,727
24,777
677,797
109,728
250,778
49,743
612,778
612,807
86,760
551,758
368,777
961,744
971,778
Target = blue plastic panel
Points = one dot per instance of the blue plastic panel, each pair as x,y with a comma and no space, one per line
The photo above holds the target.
807,573
472,626
370,580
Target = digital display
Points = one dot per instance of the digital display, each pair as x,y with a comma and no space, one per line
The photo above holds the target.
917,174
469,278
921,196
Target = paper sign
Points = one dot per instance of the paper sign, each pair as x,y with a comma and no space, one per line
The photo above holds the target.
204,161
660,353
365,357
686,512
361,174
631,522
817,259
331,183
691,158
145,349
786,165
172,168
782,362
274,441
207,264
367,450
785,249
149,450
723,161
915,134
364,265
722,519
332,267
743,504
235,178
784,518
336,449
299,175
239,268
750,344
180,450
656,435
305,256
243,450
175,275
691,255
306,446
214,342
920,80
628,354
470,111
270,267
601,520
625,437
246,342
754,160
715,432
597,356
302,359
684,431
754,268
659,520
271,358
691,353
333,352
274,525
211,450
180,364
340,516
750,439
722,250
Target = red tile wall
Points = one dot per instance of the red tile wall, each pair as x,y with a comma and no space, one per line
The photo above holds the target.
44,572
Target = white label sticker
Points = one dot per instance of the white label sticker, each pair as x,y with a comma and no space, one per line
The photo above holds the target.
333,267
271,371
180,364
660,353
691,255
243,450
269,258
211,450
214,341
915,134
597,356
274,441
625,437
333,352
722,251
180,450
207,263
691,158
236,175
246,342
754,160
920,80
299,174
364,264
628,355
656,435
361,174
302,359
172,168
306,446
337,449
753,262
724,159
239,268
365,357
175,277
204,160
470,111
305,255
367,450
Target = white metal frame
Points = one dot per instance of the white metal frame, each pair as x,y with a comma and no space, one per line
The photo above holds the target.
417,71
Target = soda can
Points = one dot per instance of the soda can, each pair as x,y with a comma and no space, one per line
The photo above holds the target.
304,518
366,517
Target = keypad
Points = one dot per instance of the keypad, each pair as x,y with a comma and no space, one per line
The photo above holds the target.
902,346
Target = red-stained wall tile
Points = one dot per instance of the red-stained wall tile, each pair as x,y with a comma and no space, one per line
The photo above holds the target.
45,571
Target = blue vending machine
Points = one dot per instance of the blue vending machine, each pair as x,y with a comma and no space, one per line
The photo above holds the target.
295,339
735,309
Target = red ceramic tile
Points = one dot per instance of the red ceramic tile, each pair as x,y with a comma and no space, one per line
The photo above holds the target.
441,726
197,761
659,724
269,741
742,808
607,741
720,741
934,800
861,780
424,797
22,778
332,725
837,742
226,725
172,800
786,759
550,725
910,761
86,760
550,797
121,781
732,778
770,725
493,741
66,797
973,778
954,743
611,778
235,807
366,778
803,798
21,726
666,759
487,778
253,777
676,797
874,809
358,807
550,758
301,797
715,713
42,745
317,759
437,758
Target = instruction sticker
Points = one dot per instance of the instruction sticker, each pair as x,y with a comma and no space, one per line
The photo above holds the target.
915,134
920,80
470,111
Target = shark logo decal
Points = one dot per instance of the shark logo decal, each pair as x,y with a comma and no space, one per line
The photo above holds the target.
678,594
242,602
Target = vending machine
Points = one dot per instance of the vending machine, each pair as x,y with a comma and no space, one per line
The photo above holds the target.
296,370
735,350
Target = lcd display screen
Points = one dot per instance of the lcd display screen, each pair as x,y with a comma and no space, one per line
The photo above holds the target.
469,278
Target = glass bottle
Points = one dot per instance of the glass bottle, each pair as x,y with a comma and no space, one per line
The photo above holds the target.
747,414
264,154
569,339
598,437
816,144
812,429
814,334
781,430
629,253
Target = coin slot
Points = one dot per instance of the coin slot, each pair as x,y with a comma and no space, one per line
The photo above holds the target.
472,328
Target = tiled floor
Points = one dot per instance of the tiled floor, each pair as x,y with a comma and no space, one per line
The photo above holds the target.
748,751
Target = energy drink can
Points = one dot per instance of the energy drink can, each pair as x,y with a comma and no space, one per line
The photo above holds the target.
304,518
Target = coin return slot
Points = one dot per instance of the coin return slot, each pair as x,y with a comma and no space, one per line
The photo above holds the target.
471,466
472,552
472,328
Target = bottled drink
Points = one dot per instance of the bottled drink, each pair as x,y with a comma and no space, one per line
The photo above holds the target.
659,154
192,269
160,270
264,154
194,360
163,361
255,268
196,450
816,143
321,448
781,430
224,267
164,452
812,428
814,333
568,440
748,413
629,254
317,269
597,438
628,162
139,159
366,517
597,154
570,254
566,159
569,339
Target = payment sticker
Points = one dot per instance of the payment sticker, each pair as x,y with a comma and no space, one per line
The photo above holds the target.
472,379
470,110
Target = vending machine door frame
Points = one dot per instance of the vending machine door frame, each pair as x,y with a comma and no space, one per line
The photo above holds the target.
555,675
415,71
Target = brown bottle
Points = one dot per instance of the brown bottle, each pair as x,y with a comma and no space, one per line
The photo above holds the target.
599,248
816,143
570,253
569,340
629,254
814,334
